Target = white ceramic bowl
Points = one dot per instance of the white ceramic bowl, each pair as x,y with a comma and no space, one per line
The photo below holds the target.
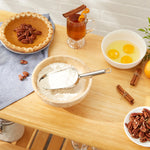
127,35
81,68
126,120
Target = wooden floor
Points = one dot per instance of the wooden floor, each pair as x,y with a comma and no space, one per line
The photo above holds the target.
37,140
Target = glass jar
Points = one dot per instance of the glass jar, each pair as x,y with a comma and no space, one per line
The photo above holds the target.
10,131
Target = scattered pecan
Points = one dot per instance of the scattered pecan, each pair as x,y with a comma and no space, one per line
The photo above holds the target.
20,77
26,33
139,125
25,74
24,62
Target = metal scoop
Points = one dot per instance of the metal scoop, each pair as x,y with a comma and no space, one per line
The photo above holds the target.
66,78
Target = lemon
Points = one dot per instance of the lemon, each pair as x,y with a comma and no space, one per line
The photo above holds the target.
147,69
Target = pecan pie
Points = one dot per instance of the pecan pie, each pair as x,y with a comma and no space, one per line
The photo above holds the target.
28,25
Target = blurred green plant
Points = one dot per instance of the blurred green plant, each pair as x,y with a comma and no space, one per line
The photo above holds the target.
146,31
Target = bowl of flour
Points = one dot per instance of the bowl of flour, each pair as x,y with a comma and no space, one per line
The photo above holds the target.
65,97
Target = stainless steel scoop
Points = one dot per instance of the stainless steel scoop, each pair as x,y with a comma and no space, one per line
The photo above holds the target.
66,78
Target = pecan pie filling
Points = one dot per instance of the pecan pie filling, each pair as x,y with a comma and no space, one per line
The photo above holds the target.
26,33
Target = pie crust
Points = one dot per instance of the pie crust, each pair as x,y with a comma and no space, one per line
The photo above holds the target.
41,23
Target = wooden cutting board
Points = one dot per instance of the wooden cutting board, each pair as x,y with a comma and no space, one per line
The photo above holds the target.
98,119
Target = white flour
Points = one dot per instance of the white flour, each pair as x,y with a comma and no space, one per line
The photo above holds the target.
62,79
55,81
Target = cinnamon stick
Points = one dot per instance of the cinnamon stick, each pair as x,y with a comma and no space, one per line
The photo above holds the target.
136,77
125,94
74,11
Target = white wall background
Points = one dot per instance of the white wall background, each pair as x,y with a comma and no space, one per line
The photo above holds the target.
109,14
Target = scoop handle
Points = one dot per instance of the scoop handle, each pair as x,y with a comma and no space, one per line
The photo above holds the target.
94,73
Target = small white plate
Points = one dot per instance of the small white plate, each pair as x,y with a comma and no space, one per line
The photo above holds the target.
126,120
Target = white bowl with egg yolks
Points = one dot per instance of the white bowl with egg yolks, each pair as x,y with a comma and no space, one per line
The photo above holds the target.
125,35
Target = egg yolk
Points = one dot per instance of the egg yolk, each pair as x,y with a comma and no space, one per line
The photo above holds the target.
128,48
113,54
126,59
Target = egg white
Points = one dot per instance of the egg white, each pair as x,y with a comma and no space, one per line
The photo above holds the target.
118,45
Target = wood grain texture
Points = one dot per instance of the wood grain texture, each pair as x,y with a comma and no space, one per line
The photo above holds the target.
55,143
8,146
98,119
67,145
40,141
26,139
35,140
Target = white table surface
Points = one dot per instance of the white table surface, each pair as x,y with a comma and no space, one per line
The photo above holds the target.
109,14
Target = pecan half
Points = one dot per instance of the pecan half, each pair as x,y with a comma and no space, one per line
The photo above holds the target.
148,125
20,77
37,32
144,139
143,129
21,37
141,134
25,73
24,62
25,41
148,135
